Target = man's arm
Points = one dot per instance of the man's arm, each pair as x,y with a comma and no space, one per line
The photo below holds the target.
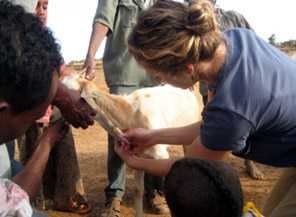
73,107
98,34
30,178
104,22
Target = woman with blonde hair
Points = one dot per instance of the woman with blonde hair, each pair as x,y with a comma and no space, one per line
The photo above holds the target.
252,84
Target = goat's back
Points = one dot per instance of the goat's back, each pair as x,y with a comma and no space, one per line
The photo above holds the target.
166,106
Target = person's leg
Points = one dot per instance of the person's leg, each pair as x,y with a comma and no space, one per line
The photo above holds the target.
282,200
154,198
116,173
69,191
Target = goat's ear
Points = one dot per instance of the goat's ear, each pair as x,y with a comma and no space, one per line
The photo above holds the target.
3,105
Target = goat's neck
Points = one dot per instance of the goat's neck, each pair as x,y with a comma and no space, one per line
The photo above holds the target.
116,108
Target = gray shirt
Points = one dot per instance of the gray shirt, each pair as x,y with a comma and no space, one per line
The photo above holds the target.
120,16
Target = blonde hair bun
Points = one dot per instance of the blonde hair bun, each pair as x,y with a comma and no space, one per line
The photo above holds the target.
170,35
201,17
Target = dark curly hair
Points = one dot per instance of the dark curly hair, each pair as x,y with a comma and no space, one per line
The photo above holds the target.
29,55
198,188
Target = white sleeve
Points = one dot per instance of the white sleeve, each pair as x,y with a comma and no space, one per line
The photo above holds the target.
14,202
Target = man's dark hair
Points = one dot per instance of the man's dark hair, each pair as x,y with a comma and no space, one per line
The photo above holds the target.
29,55
198,188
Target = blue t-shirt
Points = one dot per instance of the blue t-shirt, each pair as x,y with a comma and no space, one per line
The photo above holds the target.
253,113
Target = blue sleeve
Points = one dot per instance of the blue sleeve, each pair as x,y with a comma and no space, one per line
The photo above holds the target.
224,130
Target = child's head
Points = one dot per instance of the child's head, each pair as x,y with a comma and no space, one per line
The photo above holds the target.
41,10
171,35
29,64
199,188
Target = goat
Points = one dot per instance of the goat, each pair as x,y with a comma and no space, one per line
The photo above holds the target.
156,107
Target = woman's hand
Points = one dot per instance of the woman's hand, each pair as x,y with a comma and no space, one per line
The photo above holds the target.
125,154
139,139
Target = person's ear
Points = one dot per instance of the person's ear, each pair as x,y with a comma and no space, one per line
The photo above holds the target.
3,106
190,68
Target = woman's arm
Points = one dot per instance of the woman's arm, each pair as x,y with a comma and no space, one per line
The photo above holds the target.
178,136
161,167
141,138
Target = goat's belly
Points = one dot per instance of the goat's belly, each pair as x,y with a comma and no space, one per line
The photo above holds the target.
157,152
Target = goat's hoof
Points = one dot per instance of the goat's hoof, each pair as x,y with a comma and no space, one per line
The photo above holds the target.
156,205
112,208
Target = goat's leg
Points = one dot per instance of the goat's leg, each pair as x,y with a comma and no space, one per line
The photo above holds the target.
139,178
253,171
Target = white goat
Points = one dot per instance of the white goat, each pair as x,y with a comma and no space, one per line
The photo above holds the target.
156,107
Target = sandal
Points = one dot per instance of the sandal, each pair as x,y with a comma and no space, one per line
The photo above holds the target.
77,204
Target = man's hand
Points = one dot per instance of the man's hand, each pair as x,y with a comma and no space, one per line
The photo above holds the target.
54,133
99,32
73,107
89,65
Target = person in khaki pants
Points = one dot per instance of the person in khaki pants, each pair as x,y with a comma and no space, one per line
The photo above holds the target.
115,20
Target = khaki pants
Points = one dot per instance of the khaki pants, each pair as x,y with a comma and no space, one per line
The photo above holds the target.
282,200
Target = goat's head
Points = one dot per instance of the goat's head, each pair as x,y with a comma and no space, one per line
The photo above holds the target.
90,92
77,81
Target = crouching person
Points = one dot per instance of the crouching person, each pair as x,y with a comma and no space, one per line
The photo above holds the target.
197,187
29,65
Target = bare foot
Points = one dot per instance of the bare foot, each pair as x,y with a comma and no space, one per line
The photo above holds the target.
253,171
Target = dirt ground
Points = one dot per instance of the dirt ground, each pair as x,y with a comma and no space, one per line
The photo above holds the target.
92,148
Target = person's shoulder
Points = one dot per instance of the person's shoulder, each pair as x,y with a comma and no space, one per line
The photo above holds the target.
233,18
238,32
234,13
229,13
